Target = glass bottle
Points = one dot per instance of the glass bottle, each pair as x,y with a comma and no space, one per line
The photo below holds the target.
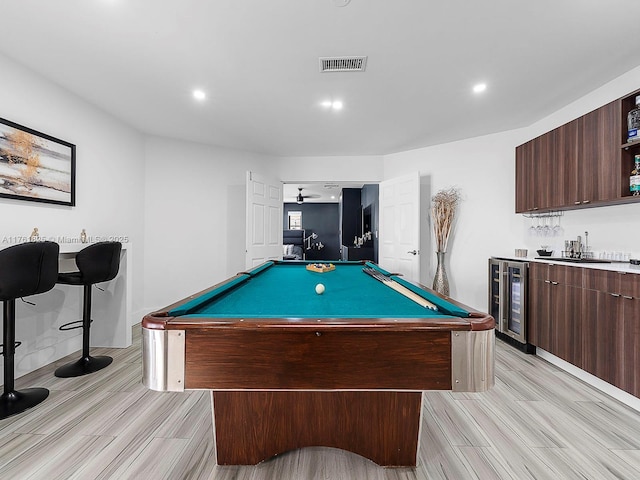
633,123
634,179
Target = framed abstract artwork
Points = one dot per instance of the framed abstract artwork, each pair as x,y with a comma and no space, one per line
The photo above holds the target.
35,166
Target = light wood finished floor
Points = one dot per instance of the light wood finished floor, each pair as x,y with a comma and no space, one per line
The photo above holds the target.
536,423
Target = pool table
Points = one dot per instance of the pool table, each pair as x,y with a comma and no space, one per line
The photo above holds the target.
289,368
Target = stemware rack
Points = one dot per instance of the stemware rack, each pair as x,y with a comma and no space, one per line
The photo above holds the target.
548,223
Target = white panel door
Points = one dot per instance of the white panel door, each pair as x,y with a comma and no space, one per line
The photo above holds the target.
399,241
264,219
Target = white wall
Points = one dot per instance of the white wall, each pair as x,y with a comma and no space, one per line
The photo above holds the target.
109,202
194,216
109,166
484,169
195,209
362,168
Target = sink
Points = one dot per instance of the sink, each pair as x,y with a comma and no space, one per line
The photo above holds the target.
574,260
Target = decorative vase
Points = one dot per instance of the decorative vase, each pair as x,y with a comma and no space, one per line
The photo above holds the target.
440,280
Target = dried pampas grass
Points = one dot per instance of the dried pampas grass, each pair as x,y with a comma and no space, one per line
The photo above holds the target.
443,213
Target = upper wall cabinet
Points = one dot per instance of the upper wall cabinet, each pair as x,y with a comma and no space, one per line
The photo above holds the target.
581,164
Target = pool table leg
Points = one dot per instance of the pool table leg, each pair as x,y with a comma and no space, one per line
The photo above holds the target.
252,426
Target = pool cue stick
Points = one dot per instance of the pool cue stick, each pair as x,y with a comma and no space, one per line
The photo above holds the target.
389,282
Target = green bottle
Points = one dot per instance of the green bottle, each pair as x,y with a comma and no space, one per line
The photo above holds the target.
634,179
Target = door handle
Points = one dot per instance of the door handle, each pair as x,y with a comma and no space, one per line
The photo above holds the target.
413,252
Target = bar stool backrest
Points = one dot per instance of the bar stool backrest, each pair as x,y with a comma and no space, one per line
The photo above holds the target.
28,269
99,262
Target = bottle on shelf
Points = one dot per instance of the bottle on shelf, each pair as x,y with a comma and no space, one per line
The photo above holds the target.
634,179
633,123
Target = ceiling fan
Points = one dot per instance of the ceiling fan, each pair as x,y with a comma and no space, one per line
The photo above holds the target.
300,198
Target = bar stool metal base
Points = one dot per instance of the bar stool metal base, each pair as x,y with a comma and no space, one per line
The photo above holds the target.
84,366
18,401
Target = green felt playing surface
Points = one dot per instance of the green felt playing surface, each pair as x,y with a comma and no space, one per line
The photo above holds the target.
287,290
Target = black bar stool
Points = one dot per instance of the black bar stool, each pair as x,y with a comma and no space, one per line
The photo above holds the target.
96,263
25,269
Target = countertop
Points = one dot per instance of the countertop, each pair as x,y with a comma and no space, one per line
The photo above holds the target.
625,267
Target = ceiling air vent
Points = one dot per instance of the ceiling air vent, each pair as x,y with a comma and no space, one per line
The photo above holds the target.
343,64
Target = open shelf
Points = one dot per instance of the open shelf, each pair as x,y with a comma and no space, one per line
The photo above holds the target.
628,150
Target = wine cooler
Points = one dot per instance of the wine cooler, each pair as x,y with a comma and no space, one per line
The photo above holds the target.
508,301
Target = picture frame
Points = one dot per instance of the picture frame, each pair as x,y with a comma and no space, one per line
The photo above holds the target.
295,220
36,167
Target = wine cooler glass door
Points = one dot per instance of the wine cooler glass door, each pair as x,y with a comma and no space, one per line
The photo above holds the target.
495,286
516,307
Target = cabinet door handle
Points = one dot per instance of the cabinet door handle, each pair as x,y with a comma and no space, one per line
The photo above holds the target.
577,203
586,201
614,294
627,297
554,283
547,281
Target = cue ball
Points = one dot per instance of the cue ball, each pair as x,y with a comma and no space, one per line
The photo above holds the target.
319,289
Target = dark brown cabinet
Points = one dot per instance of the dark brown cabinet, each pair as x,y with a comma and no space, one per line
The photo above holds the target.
555,316
568,173
580,164
599,155
539,333
631,367
602,336
525,178
535,174
590,318
612,335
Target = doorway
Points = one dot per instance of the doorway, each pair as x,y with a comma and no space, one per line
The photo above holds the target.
339,219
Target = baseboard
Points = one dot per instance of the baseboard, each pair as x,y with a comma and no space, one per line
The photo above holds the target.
605,387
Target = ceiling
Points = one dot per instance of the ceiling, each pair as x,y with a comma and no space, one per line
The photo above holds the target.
257,62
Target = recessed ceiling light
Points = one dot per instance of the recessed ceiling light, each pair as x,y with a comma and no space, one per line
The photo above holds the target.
199,95
480,87
332,104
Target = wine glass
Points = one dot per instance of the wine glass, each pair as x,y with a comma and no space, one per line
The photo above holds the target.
532,229
558,230
540,228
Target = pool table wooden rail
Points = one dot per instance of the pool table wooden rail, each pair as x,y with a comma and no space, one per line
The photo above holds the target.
162,321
